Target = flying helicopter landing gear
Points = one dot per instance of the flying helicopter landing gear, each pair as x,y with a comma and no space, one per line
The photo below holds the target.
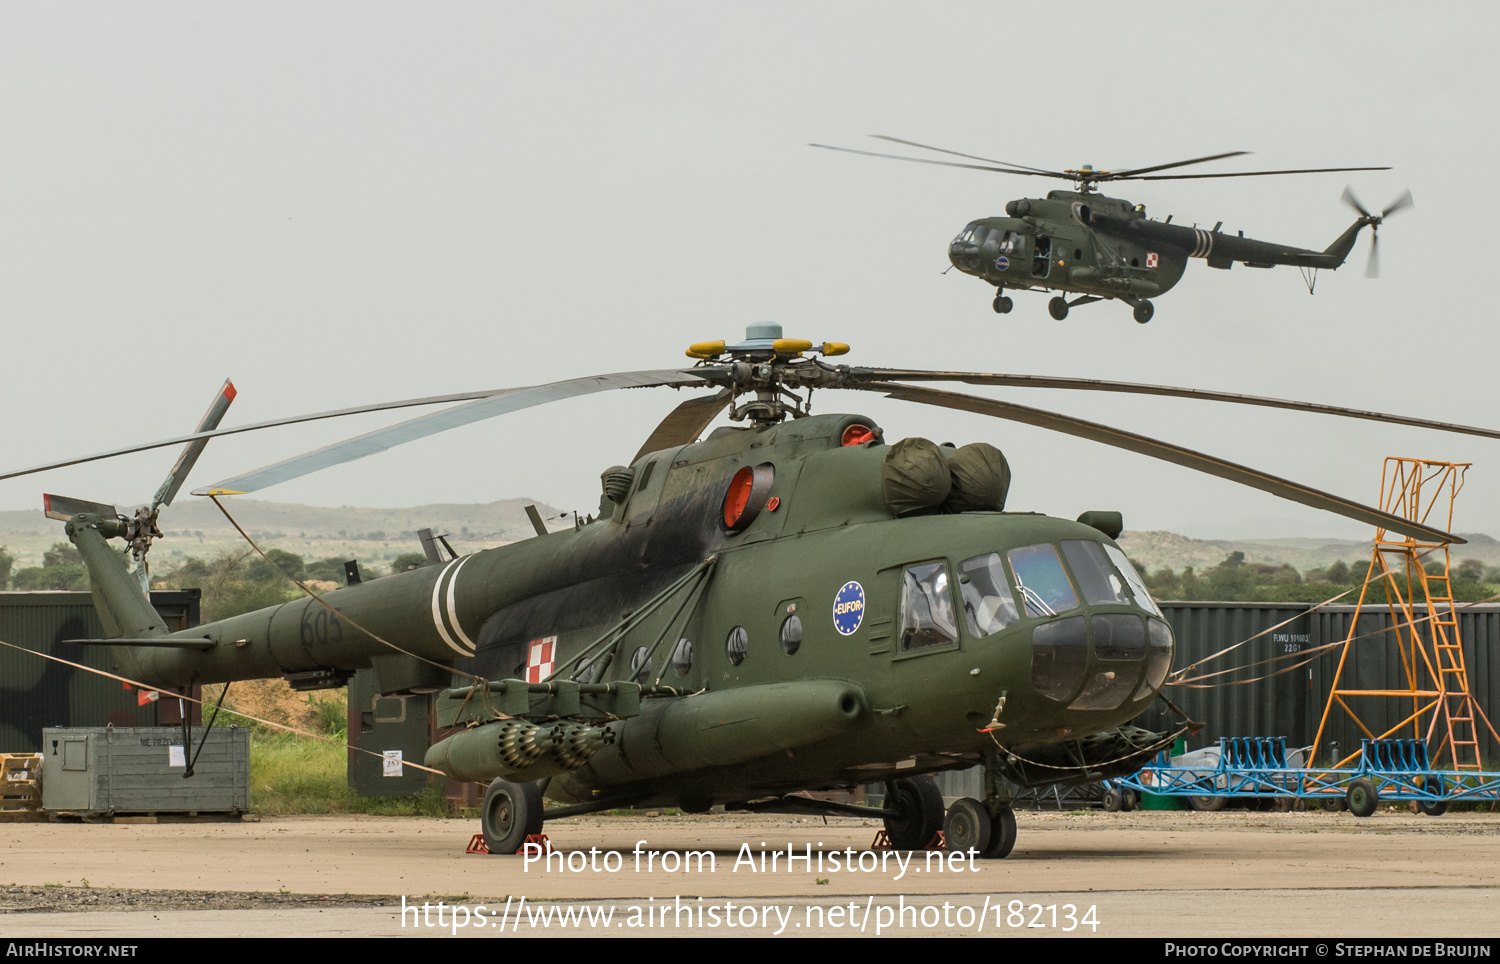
1143,311
917,812
511,812
1058,308
1002,304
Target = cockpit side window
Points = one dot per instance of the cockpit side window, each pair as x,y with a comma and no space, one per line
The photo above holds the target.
1044,585
1011,244
1101,584
927,617
988,604
1137,584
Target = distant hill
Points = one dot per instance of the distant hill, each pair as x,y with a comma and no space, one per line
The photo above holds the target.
1168,550
197,528
194,527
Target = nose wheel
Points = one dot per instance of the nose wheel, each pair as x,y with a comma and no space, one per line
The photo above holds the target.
1002,305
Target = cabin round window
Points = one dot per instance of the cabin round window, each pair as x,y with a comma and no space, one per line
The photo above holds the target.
736,645
639,668
791,634
682,658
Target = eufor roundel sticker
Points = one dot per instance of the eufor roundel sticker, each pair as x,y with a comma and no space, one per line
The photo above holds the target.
1002,263
849,608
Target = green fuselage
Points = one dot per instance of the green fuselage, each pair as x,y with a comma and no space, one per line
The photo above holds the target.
760,720
1103,246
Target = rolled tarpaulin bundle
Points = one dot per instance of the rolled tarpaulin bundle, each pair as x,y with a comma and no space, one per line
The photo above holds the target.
980,477
914,477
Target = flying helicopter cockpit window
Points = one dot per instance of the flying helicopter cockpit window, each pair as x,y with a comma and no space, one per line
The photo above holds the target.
1039,575
1137,584
1011,243
965,235
1101,585
988,603
927,608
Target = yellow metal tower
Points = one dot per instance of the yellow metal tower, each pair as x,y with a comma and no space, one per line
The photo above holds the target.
1437,681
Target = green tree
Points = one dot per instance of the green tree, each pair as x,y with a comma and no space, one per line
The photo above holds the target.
7,563
408,561
61,554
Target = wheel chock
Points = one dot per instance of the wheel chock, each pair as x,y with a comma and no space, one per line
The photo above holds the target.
883,842
540,840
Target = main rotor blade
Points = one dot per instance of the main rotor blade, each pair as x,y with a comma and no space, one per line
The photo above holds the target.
1117,175
189,457
1372,266
1165,451
1305,170
435,422
928,160
1135,388
685,423
257,426
972,157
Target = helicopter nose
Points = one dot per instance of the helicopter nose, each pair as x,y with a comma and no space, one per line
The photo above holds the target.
963,255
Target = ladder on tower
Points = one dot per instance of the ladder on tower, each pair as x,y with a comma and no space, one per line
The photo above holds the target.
1435,675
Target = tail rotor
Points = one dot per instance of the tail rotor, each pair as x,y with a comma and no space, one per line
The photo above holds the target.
1372,265
140,527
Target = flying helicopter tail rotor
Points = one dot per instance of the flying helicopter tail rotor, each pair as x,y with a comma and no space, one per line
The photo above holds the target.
1404,201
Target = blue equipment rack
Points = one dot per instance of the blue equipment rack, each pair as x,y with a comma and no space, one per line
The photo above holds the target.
1256,766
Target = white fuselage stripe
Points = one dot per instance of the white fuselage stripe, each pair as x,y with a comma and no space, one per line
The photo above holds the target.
437,612
453,608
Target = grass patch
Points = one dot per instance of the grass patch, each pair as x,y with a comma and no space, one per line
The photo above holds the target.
297,774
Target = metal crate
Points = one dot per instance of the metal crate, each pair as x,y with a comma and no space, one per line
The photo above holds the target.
136,769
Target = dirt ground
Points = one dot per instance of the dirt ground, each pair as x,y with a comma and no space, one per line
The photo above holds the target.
1163,874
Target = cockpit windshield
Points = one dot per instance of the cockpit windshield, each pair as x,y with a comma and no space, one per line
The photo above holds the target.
1043,583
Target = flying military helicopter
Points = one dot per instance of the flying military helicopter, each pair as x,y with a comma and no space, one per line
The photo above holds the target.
1100,248
789,604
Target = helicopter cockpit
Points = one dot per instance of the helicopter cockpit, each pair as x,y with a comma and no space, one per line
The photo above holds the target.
1097,641
981,245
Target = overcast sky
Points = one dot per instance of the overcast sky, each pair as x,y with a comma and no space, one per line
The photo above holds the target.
344,203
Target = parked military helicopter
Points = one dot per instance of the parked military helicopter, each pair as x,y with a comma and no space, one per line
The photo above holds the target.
790,604
1100,248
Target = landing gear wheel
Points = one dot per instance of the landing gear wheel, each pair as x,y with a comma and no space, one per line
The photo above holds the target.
918,806
1002,305
1362,797
1433,808
510,813
1132,800
1143,311
968,826
1002,835
1114,800
1058,308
